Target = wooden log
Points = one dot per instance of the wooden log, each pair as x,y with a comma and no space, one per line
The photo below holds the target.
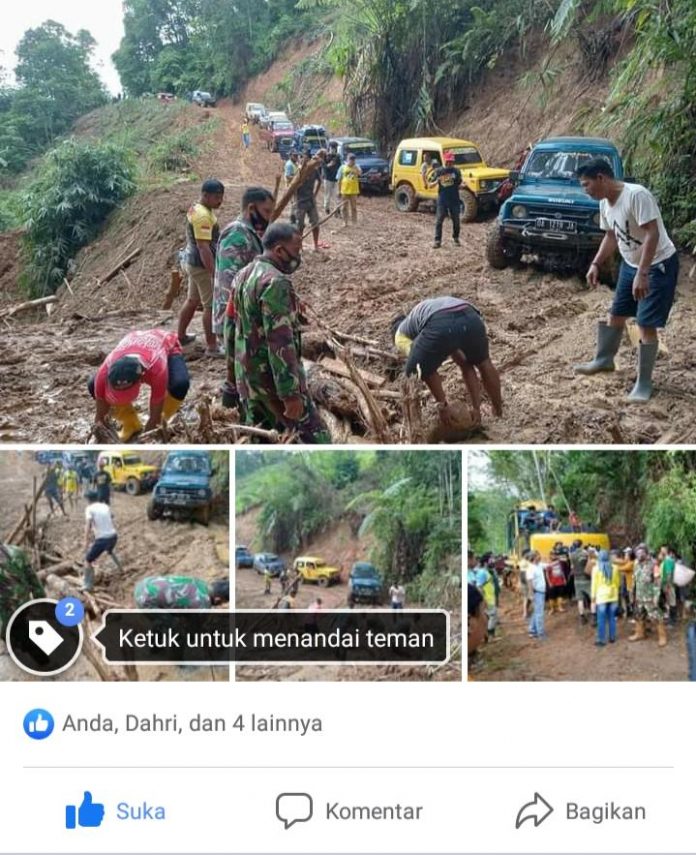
302,173
276,188
28,304
376,419
332,394
338,428
340,368
126,262
25,517
356,338
174,288
61,569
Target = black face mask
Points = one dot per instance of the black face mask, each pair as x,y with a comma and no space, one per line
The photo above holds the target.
291,264
259,222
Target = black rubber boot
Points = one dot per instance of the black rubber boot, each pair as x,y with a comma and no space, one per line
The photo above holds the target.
608,341
647,354
230,398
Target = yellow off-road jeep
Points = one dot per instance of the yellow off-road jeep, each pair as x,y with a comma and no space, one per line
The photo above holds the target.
480,183
312,569
128,472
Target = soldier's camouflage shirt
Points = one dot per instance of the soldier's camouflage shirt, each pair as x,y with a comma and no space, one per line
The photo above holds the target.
267,334
238,246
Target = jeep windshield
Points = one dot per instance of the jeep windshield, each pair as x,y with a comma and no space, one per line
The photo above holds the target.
466,155
360,148
547,165
282,126
188,465
131,460
364,573
313,139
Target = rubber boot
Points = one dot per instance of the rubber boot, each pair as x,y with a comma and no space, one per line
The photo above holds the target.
117,562
608,341
647,353
129,420
661,635
88,581
171,407
230,397
639,633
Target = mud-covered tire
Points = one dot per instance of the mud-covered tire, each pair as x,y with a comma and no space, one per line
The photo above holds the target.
133,487
154,512
470,206
202,515
495,249
405,199
323,581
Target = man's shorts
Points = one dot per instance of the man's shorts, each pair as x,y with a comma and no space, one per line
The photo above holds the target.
200,285
309,211
101,545
652,311
583,589
444,333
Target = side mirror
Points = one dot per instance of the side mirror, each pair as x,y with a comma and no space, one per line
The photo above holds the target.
514,175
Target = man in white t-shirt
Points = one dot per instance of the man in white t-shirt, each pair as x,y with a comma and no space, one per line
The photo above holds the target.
100,536
536,583
397,596
647,281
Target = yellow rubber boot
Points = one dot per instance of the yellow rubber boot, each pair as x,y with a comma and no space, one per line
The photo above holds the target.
171,407
661,634
129,420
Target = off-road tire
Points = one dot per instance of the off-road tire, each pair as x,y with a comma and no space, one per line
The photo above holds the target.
133,487
323,581
405,199
495,249
154,511
470,206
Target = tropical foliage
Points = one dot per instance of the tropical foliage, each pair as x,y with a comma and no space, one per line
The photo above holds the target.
633,495
409,503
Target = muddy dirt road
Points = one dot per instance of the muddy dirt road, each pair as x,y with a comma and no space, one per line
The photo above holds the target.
539,324
569,652
341,549
145,548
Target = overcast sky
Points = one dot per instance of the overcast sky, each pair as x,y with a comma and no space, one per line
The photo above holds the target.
103,19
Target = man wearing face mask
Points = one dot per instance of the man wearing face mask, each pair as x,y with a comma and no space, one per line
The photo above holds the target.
270,378
239,245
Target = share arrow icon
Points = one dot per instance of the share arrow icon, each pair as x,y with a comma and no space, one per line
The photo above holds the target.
537,810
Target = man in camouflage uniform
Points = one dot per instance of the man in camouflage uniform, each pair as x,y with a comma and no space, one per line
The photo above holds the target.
647,581
270,378
18,583
239,244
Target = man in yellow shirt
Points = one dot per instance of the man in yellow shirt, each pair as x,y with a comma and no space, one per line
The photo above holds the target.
202,234
348,178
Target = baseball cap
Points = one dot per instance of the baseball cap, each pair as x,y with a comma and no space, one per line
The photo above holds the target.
448,157
123,380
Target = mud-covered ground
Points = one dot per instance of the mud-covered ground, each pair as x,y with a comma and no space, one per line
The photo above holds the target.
144,548
539,323
341,550
569,653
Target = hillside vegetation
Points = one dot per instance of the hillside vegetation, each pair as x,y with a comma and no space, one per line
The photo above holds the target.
409,503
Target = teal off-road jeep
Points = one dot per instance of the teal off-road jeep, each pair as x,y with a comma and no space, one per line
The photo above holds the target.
549,216
184,487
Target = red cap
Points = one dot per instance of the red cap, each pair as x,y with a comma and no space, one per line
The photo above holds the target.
448,157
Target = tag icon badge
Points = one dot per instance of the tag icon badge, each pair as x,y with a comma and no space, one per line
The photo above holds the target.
42,634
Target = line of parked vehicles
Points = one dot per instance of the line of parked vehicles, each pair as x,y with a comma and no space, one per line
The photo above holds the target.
542,212
365,582
181,488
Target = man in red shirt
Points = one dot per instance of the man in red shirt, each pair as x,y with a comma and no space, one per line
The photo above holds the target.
153,357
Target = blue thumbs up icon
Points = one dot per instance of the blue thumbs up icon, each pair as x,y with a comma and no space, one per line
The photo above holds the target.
88,815
38,724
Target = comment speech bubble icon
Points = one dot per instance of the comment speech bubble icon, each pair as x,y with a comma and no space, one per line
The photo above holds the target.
294,807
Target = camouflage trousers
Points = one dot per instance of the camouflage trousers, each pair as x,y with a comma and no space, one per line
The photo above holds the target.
649,610
261,412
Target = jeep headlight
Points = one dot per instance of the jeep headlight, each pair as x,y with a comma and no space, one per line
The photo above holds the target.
202,493
483,185
519,212
596,219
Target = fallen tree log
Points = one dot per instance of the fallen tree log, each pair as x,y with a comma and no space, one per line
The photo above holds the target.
339,429
28,304
340,368
174,288
375,418
332,394
302,173
62,569
126,262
